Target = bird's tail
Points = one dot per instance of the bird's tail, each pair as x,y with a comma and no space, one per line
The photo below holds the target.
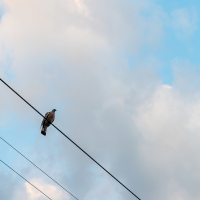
43,131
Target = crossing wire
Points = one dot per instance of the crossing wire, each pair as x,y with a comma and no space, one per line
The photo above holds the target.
72,141
25,179
37,167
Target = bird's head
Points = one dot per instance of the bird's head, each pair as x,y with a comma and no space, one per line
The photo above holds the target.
53,110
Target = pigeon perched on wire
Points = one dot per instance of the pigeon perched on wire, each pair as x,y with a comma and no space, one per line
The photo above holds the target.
49,118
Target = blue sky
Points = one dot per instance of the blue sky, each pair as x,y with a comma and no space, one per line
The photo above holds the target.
124,78
173,47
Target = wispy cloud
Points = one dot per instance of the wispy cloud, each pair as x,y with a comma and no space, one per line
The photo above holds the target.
184,21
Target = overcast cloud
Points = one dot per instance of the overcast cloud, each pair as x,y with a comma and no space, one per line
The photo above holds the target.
96,62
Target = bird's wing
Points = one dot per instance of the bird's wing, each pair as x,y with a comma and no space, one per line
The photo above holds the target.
46,116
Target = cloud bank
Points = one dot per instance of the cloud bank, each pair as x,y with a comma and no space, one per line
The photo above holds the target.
76,56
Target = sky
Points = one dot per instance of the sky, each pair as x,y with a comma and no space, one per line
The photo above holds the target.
124,77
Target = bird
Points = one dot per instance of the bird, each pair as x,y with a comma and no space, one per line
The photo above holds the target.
47,121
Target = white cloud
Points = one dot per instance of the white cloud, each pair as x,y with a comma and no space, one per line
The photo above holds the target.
70,54
168,124
82,7
48,189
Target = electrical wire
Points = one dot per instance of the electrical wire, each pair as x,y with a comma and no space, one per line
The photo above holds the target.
37,167
25,179
72,141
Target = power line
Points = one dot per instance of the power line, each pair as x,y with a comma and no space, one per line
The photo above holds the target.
25,179
72,141
37,167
